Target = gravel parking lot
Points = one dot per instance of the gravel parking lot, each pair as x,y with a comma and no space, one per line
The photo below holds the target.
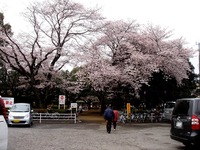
92,136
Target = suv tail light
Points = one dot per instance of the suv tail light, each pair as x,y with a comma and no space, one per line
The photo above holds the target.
195,123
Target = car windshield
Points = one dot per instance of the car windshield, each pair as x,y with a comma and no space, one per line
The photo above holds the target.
169,105
20,108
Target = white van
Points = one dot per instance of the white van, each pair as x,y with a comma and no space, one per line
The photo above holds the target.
20,114
3,127
168,109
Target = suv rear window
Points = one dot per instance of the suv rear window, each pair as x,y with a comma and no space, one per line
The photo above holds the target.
182,107
1,109
197,109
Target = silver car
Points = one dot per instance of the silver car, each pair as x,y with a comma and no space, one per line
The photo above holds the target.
20,114
168,109
3,127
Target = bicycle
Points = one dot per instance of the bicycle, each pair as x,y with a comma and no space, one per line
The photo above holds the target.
122,119
54,116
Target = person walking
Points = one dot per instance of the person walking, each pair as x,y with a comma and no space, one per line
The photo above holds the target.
116,113
108,116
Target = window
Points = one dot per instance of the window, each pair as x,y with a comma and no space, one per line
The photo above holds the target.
197,109
183,108
20,108
169,105
1,109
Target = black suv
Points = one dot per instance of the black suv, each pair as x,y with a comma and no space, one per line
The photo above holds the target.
185,124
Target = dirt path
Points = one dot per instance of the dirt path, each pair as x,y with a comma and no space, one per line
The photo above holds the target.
92,115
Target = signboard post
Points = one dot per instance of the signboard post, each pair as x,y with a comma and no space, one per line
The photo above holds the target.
73,106
128,106
61,101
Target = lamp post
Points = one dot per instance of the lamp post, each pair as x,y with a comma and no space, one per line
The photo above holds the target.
199,72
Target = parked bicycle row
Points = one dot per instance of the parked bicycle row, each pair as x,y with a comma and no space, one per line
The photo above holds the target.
141,117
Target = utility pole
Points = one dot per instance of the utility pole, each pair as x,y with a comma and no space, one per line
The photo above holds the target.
199,71
199,57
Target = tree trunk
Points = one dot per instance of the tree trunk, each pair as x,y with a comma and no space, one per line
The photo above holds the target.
101,98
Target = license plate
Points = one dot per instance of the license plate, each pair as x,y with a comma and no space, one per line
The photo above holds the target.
15,121
179,124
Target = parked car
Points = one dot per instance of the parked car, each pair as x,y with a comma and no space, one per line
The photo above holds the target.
168,109
185,124
3,127
20,114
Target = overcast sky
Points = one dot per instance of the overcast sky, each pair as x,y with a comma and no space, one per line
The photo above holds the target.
181,16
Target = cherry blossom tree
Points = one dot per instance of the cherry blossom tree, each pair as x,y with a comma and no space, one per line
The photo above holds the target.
127,54
58,27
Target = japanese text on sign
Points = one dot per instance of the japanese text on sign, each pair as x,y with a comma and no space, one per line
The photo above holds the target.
9,101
